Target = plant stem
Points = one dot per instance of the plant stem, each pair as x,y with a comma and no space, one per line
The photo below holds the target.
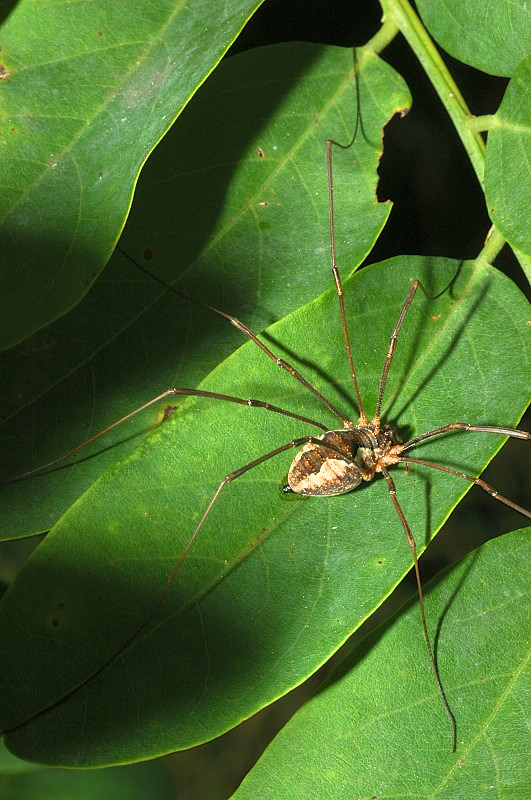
483,123
384,36
402,14
493,244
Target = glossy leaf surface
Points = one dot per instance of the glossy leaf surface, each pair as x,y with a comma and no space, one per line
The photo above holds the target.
271,587
508,161
245,232
492,37
85,95
378,722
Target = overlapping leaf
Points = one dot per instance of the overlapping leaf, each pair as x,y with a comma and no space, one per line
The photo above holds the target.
492,37
508,161
234,203
378,721
86,92
271,588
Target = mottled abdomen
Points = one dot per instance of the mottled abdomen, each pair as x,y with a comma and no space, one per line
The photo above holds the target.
322,471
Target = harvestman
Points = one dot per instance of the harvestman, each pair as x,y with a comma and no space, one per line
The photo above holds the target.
335,461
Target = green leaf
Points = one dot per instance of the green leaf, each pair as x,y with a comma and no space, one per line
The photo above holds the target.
85,97
492,37
271,587
29,782
247,234
378,721
508,161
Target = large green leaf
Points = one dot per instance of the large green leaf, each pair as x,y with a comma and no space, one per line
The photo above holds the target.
508,161
271,587
245,232
85,95
378,722
492,37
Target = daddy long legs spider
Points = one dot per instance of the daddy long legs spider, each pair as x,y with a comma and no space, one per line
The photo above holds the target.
370,305
212,541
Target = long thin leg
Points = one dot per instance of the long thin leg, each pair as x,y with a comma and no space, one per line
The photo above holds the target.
485,486
394,336
335,271
465,426
362,420
227,479
413,546
280,362
170,392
